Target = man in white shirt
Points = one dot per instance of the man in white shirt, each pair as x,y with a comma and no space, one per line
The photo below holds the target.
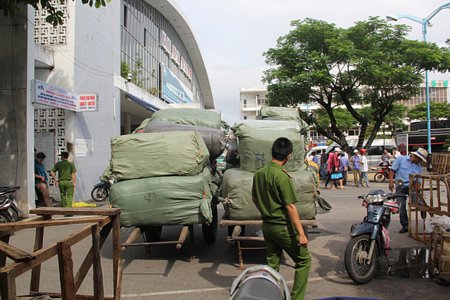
364,169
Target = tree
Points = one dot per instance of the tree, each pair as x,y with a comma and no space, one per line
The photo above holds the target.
438,111
369,64
55,16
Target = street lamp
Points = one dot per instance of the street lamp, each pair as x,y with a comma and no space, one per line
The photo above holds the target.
424,22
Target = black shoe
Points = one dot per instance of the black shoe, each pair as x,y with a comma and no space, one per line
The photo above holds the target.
403,230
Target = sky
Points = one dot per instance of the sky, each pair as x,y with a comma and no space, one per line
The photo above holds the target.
234,34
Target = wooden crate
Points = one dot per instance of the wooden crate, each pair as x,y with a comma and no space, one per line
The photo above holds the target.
440,253
441,163
430,197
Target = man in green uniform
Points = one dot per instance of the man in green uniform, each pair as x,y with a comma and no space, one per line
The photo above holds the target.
274,196
66,179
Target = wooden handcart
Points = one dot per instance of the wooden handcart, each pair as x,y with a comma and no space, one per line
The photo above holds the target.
236,233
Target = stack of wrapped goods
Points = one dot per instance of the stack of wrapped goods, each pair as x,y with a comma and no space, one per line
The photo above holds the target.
254,140
163,175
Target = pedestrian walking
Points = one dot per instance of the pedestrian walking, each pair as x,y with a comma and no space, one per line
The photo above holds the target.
41,181
344,165
66,179
355,163
274,195
401,169
364,169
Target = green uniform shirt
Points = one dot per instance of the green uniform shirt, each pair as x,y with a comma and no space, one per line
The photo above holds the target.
274,190
65,169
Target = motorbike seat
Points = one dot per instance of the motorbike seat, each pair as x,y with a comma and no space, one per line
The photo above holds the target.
258,288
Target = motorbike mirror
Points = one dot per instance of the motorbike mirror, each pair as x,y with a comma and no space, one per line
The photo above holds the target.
360,197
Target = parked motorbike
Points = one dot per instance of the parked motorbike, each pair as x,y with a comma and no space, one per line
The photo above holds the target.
8,206
370,239
382,172
101,190
259,282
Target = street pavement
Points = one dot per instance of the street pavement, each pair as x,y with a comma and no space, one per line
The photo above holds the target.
166,273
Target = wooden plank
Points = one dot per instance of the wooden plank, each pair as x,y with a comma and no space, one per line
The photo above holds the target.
116,255
14,226
4,239
58,295
249,238
134,235
97,266
66,271
86,265
36,271
183,235
14,253
228,222
8,285
86,211
41,256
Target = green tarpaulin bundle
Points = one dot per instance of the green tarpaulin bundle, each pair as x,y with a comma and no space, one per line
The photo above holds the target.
158,154
213,138
189,116
237,198
255,140
167,200
279,113
282,113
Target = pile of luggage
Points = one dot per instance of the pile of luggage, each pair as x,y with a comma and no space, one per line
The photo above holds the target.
252,149
163,169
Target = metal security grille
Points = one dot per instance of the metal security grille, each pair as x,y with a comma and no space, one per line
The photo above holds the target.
52,120
45,33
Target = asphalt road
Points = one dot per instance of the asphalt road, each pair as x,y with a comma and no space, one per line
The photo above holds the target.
166,273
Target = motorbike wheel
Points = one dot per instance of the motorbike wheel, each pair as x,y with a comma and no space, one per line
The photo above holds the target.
100,192
152,233
355,259
379,177
210,230
4,217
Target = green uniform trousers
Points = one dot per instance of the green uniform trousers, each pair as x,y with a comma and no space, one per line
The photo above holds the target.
284,237
66,189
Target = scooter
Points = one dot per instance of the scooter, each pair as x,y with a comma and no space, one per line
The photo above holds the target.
370,239
259,282
8,207
101,190
382,172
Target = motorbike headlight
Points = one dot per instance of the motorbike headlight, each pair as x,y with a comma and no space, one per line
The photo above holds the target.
374,198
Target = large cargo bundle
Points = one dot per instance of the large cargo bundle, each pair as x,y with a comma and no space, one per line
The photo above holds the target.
255,140
213,138
158,154
237,196
189,116
167,200
279,113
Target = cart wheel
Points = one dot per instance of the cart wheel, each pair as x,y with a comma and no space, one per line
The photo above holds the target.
152,233
210,230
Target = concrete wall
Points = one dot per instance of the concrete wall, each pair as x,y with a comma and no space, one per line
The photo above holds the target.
97,60
16,116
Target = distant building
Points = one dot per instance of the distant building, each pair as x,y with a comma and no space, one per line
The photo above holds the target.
438,93
251,101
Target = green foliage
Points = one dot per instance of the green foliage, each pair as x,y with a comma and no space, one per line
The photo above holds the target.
438,111
447,143
55,16
344,119
371,63
124,69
